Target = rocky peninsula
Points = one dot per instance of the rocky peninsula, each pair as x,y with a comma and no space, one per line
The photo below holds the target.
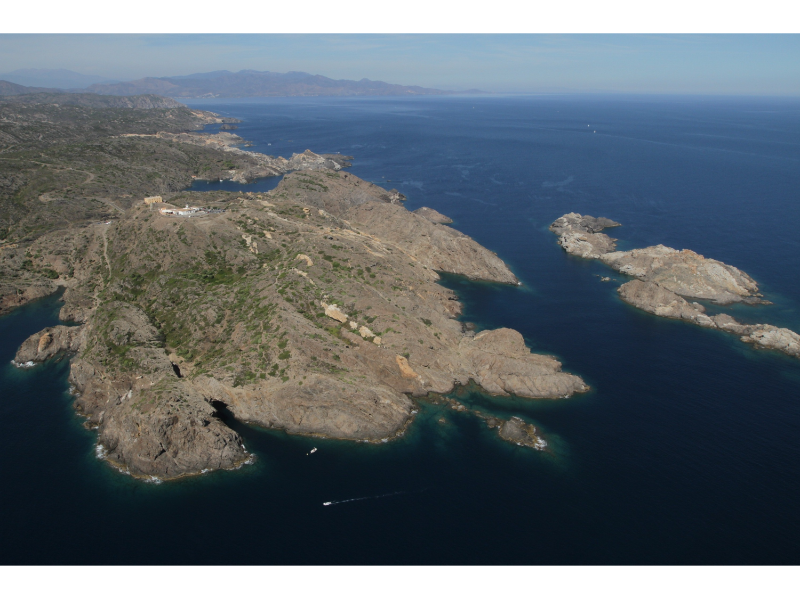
313,308
665,278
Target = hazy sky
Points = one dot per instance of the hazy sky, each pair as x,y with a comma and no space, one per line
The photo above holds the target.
694,64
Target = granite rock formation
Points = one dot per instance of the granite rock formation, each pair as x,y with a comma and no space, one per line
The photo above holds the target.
685,272
580,235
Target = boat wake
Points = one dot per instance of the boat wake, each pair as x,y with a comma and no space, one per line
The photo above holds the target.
371,497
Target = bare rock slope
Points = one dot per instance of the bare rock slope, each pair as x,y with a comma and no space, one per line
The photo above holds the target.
665,277
686,273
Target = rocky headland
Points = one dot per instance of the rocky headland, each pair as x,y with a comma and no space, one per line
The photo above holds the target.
665,278
314,308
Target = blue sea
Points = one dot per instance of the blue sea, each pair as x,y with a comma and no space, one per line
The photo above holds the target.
686,451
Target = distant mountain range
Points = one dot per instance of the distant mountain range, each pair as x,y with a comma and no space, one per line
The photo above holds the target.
254,84
52,78
216,84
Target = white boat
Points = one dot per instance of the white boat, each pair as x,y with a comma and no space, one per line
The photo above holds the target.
326,503
312,451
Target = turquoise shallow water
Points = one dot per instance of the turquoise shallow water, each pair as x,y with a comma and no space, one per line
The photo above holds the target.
685,451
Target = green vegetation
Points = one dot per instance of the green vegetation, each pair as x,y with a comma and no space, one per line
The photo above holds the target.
69,164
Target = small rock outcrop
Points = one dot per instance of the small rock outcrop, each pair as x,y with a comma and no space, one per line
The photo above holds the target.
517,431
50,342
309,160
578,222
580,235
334,312
434,216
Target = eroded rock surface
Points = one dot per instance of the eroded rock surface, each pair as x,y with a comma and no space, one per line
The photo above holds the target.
684,272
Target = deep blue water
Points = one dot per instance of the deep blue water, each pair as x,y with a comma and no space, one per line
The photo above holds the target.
686,451
259,185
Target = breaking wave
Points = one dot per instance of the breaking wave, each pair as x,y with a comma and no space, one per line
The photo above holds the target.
26,365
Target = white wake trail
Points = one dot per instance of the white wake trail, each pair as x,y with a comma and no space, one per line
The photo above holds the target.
369,497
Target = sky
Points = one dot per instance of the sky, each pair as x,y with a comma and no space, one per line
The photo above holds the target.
748,64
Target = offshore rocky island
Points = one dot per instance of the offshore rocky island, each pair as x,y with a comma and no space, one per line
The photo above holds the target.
314,308
665,277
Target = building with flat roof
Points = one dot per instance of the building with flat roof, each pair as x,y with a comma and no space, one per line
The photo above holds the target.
188,211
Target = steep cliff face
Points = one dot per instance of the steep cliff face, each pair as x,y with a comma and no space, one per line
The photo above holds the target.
664,276
314,308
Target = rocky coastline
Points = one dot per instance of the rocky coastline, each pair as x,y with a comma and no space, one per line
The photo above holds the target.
668,282
256,165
